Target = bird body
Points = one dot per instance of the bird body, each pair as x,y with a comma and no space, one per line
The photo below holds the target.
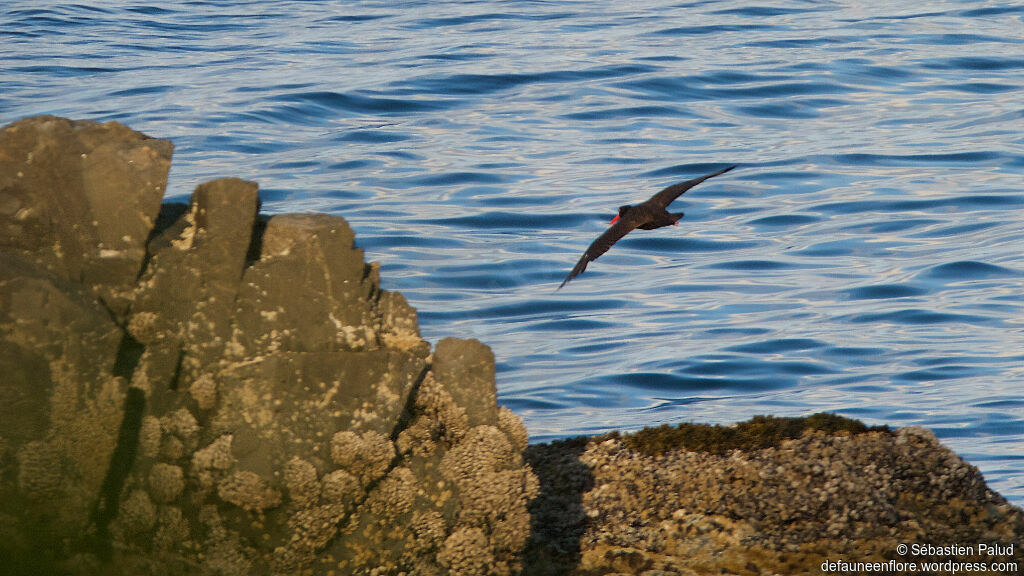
646,216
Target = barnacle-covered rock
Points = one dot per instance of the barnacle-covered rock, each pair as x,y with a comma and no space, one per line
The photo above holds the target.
213,461
484,449
439,421
366,456
467,553
340,487
767,496
301,481
512,426
166,482
249,491
196,389
39,470
137,515
394,496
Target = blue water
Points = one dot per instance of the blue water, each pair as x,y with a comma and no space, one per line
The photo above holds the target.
866,258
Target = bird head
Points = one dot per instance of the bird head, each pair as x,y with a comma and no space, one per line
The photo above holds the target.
623,210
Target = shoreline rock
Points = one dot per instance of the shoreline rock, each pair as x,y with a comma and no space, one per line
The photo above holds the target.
782,504
198,389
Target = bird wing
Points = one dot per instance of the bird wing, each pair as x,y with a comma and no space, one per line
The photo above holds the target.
666,196
613,234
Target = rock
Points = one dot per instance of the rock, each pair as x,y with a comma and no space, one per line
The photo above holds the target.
62,404
79,199
634,504
313,255
199,390
184,303
465,368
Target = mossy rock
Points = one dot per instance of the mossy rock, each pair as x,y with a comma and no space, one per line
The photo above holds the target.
755,434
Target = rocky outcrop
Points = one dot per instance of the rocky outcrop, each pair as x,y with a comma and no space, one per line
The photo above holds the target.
195,389
199,390
768,496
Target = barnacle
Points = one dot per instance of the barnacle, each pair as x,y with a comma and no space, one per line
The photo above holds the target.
166,481
365,456
248,490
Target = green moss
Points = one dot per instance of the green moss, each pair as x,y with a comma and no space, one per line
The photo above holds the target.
755,434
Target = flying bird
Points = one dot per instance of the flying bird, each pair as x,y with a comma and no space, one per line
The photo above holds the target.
647,216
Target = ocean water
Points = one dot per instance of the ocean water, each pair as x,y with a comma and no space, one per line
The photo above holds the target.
866,258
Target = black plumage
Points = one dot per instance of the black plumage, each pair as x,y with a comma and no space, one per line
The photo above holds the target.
647,216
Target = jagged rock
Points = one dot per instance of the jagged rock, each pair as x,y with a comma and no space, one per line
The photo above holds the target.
236,396
79,199
184,302
466,369
313,255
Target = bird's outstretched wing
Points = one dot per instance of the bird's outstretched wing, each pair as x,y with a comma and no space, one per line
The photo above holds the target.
666,196
613,234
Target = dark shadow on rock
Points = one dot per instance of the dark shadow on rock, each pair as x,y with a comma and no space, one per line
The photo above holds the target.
121,462
171,215
256,243
557,516
128,355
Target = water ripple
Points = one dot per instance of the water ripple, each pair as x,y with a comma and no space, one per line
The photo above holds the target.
318,102
967,270
919,316
883,291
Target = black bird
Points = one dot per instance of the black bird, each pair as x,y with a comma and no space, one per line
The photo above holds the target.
646,216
